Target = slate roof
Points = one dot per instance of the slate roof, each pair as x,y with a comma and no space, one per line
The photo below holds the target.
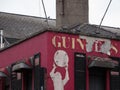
23,27
96,31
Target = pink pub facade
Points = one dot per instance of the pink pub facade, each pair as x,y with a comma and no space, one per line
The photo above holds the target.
54,60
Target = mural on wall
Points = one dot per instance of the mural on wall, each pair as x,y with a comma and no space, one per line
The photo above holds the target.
99,45
85,43
61,59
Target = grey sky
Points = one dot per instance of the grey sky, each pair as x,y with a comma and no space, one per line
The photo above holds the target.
34,8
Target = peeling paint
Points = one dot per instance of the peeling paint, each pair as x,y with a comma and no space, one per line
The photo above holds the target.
97,44
85,43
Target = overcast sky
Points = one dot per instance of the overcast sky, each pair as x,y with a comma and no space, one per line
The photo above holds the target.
96,10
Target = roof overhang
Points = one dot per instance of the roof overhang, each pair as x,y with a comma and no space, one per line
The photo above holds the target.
102,64
99,62
20,67
2,74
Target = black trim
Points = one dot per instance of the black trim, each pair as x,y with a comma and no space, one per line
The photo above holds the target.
80,71
115,79
40,78
37,57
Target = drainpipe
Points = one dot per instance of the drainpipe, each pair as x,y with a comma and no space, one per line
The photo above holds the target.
1,39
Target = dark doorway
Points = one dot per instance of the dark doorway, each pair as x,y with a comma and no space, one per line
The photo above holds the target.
80,71
39,78
97,78
7,83
28,79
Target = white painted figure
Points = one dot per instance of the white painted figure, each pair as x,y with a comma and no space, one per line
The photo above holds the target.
61,60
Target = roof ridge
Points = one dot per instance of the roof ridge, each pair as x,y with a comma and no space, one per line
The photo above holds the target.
103,28
22,15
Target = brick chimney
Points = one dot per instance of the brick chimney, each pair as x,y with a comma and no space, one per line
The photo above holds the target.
71,12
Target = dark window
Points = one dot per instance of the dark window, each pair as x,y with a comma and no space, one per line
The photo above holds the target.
115,82
39,78
28,79
7,83
39,73
16,81
37,59
80,74
115,75
97,78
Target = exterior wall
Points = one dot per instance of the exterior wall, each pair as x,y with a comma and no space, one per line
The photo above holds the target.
91,46
57,55
25,50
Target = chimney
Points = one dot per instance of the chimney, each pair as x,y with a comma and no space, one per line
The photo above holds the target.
71,12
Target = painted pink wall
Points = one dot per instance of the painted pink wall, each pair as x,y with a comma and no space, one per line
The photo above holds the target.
43,43
70,51
25,50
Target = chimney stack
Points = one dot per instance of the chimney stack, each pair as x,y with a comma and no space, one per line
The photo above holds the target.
71,12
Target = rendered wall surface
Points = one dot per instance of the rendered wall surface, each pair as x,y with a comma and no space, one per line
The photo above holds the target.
57,55
25,50
71,12
61,55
